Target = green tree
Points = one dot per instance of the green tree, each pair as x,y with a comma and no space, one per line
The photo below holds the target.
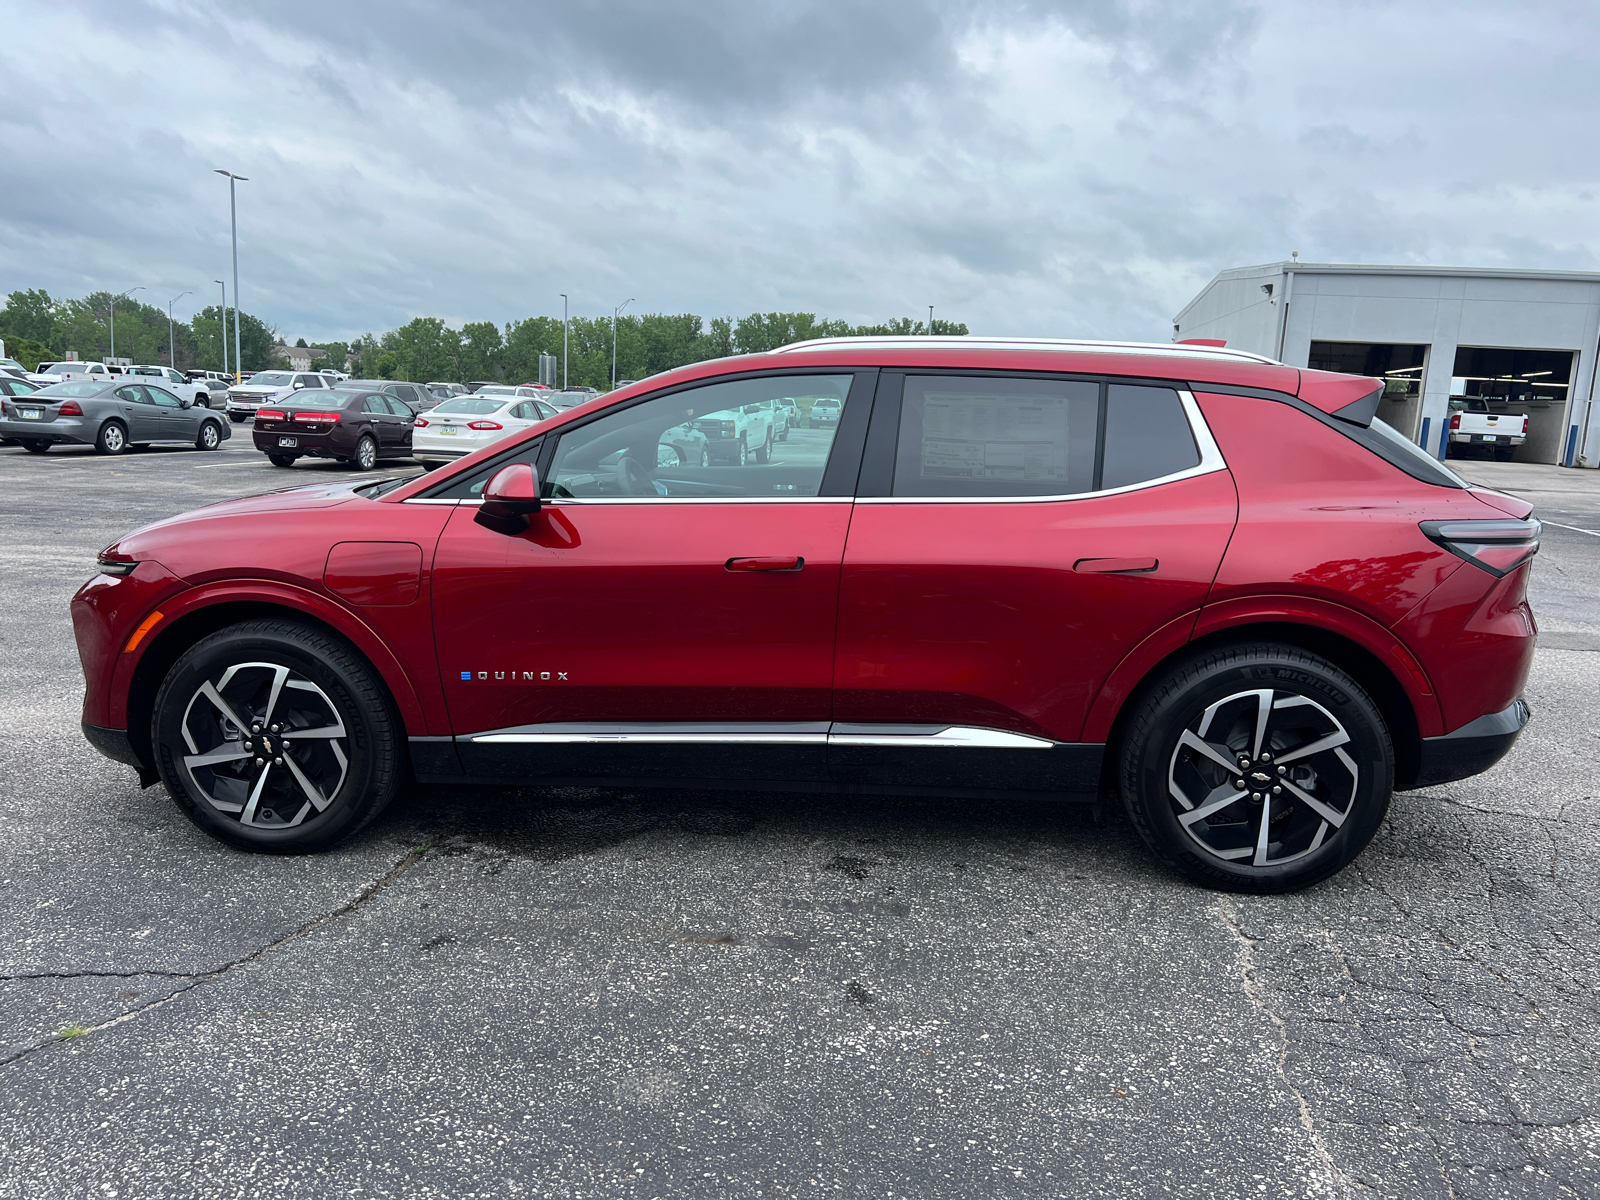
27,351
424,348
29,314
480,353
522,344
330,355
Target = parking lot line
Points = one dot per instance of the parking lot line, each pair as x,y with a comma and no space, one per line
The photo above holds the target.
1574,528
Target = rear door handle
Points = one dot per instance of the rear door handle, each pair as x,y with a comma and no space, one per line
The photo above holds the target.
1115,566
790,563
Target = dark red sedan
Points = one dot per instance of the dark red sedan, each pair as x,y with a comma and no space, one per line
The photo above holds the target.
1211,584
351,425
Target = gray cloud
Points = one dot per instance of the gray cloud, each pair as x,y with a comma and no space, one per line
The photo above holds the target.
1072,169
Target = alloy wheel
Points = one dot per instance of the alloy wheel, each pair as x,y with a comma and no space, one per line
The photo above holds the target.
366,454
209,439
113,439
266,745
1262,777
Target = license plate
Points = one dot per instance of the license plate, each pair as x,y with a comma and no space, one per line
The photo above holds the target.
448,430
31,414
283,441
1480,437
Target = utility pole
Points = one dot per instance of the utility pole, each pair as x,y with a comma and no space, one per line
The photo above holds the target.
615,313
224,325
930,320
172,354
563,341
114,300
233,217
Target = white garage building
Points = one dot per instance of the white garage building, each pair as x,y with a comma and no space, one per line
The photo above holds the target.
1523,341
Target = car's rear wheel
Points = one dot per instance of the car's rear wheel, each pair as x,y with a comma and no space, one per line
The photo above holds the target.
112,439
210,437
36,445
366,455
276,736
428,466
1257,768
282,460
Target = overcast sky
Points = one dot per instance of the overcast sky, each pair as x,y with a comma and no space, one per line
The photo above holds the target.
1056,169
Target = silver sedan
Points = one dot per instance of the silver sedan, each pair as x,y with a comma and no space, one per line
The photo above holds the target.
108,416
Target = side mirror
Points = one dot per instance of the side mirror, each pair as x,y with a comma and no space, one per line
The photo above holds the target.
509,499
298,384
182,403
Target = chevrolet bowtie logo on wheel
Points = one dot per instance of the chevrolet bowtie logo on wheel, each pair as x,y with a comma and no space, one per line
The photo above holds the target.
514,677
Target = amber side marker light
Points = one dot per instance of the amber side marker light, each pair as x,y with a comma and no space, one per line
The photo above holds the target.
145,627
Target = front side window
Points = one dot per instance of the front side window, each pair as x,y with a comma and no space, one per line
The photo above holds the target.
164,399
717,441
962,436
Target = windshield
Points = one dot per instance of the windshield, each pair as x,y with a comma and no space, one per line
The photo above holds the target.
72,388
271,379
64,368
471,405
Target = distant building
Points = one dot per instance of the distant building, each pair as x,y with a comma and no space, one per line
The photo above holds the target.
1524,341
299,356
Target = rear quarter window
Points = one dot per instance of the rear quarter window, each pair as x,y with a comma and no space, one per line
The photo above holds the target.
1147,436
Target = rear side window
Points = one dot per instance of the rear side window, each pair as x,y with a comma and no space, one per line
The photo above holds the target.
962,436
1147,436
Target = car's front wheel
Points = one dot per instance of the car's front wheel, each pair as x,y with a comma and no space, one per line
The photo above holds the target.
1257,768
209,438
236,418
276,736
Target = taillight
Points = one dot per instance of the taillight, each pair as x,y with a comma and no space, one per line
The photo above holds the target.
317,418
1498,546
70,409
267,414
1524,424
484,425
420,423
1455,421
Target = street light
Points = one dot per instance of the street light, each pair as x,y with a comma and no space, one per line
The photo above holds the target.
615,313
930,320
563,341
224,325
233,217
172,357
114,300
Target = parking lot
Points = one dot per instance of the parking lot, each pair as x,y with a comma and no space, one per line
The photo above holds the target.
586,992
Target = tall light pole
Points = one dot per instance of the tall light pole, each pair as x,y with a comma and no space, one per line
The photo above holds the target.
114,300
233,217
224,325
563,341
172,357
615,313
930,320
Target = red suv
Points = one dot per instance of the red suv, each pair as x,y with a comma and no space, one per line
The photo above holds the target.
1207,582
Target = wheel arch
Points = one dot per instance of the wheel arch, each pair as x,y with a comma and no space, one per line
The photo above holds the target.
1376,677
208,615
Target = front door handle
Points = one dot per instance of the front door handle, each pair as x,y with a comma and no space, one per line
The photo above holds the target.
789,563
1114,566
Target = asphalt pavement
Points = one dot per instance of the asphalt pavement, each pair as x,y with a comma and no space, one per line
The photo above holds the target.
586,992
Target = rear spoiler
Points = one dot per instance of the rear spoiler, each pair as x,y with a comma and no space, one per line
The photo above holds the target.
1360,412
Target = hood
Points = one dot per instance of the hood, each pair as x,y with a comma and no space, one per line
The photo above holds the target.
144,540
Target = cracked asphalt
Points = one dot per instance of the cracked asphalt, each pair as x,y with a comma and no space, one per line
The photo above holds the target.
585,993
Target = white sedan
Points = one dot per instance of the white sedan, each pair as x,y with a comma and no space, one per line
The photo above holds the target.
457,427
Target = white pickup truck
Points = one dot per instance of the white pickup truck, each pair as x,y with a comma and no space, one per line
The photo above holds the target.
1472,423
60,372
737,435
174,382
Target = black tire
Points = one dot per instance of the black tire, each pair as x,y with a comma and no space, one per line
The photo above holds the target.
741,456
428,466
282,460
355,774
236,418
209,437
36,445
112,438
764,451
1301,846
1503,453
366,455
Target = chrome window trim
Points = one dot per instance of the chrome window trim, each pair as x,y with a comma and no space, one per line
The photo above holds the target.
1211,461
799,733
563,501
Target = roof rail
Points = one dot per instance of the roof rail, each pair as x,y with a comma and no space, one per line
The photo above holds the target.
1004,343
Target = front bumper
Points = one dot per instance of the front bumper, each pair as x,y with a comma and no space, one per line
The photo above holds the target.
114,744
1474,748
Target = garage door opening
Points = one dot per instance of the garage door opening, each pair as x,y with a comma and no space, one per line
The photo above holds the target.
1400,366
1532,383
